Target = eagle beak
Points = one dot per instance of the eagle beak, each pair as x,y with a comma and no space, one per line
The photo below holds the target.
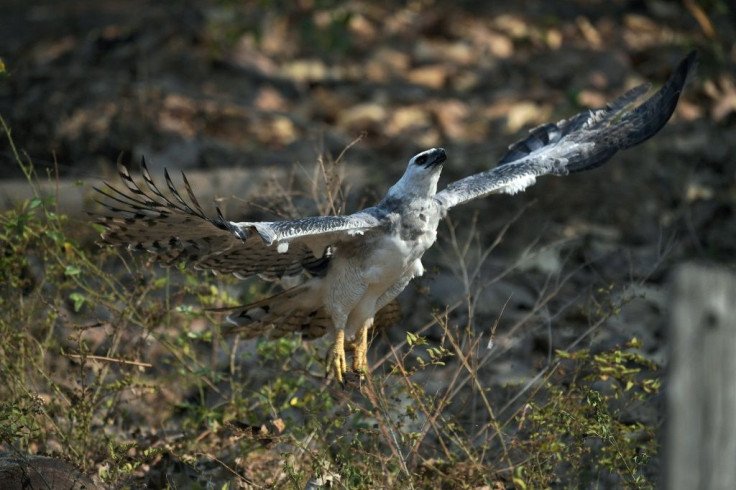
437,157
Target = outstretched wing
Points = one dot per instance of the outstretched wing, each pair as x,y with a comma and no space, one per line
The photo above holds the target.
175,230
582,142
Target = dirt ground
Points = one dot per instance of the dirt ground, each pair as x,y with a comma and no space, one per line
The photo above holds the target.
262,86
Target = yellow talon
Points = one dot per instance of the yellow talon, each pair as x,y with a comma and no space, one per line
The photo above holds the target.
336,360
360,349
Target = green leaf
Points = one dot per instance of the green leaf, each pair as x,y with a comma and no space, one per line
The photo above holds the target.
72,271
518,478
78,300
562,354
55,236
160,282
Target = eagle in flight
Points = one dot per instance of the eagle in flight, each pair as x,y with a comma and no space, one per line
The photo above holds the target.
356,265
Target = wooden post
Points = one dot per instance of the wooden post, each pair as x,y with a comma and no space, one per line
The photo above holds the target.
701,391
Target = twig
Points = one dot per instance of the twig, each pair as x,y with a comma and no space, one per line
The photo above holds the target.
109,359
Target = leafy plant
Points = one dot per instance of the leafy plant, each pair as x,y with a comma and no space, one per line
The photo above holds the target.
94,342
578,428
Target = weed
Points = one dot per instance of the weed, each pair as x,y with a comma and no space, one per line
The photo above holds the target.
122,369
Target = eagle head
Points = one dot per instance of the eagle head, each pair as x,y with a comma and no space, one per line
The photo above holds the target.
421,176
429,159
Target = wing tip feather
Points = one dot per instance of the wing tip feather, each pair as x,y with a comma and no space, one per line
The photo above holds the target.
583,133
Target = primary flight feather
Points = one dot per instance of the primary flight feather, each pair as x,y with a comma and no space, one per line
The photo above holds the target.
357,264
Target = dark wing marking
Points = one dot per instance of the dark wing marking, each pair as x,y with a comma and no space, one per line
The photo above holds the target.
284,313
177,230
580,143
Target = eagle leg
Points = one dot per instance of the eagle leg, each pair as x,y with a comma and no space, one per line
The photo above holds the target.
336,362
360,348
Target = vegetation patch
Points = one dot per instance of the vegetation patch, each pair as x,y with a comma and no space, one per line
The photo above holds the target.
122,369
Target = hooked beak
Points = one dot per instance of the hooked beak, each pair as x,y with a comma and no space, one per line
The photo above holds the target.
436,157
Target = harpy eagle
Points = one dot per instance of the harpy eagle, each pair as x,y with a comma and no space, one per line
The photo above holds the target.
357,264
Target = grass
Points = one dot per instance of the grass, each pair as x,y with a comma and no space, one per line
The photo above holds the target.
119,368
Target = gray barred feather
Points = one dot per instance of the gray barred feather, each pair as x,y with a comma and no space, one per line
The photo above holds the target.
580,143
551,133
276,317
175,230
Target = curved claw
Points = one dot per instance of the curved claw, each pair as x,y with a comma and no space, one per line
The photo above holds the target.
336,359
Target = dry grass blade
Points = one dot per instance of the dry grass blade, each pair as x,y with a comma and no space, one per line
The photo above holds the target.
109,359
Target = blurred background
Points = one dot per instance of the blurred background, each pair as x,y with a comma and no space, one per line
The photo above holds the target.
240,92
226,83
264,85
237,93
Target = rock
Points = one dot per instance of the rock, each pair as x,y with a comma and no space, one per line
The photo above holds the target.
29,472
